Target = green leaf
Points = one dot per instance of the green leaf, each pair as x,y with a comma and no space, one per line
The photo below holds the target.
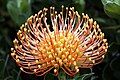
49,76
84,76
110,29
13,11
104,2
105,21
112,51
62,75
115,64
117,75
112,8
107,75
109,1
16,74
23,5
80,5
2,19
19,10
94,78
9,78
118,36
2,62
112,71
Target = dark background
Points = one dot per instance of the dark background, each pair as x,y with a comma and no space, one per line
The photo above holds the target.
106,12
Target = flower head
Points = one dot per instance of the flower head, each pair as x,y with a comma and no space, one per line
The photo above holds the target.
70,42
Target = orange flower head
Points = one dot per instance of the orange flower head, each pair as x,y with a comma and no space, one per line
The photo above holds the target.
68,42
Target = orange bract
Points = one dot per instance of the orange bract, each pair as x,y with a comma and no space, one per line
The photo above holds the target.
70,42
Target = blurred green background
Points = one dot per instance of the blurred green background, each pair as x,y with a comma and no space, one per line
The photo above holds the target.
106,12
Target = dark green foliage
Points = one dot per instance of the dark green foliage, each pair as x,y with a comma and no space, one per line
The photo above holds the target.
19,10
112,8
106,12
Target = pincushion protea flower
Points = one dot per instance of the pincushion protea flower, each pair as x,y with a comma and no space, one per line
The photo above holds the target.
70,42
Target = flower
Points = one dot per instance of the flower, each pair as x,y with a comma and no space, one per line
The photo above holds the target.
70,42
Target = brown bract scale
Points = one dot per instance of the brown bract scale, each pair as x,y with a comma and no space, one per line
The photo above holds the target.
69,42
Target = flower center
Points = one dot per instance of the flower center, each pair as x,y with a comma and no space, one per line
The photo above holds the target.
61,48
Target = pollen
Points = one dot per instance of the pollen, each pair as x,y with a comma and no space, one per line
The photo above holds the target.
64,40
